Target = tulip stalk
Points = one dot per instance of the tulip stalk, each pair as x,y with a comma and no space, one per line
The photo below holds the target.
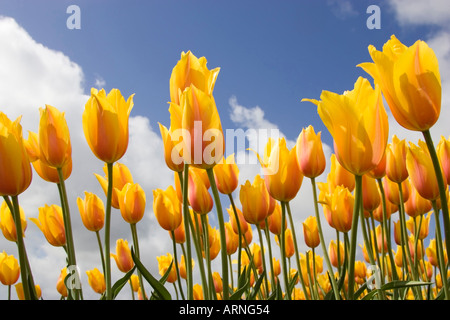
322,242
238,224
223,243
440,252
442,188
136,246
177,268
283,250
108,231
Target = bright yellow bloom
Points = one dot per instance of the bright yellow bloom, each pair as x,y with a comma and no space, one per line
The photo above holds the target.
15,167
174,162
121,176
396,160
197,123
132,202
443,151
232,239
370,193
421,171
392,190
413,222
191,70
214,243
163,265
417,205
9,269
333,253
341,208
410,80
431,252
92,211
167,208
7,222
96,280
360,272
198,292
281,170
311,232
45,171
243,224
254,200
54,138
226,175
123,256
310,155
198,195
339,176
134,279
105,124
60,285
51,223
358,123
182,267
21,295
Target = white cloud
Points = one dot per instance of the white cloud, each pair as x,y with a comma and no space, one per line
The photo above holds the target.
34,75
419,12
342,8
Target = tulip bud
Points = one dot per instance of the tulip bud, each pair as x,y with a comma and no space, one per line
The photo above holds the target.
123,256
310,155
51,223
96,280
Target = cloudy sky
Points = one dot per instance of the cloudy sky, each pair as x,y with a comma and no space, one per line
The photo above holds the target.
271,55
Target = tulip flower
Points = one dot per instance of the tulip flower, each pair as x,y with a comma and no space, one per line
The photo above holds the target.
421,172
310,155
174,163
183,267
232,239
51,222
339,176
417,205
121,176
163,265
410,80
243,224
358,123
105,124
15,167
60,284
336,258
396,160
226,174
9,269
54,138
21,294
282,173
274,221
7,223
122,256
92,211
254,200
191,70
443,151
179,234
132,202
371,194
341,207
198,195
45,171
167,208
96,280
311,232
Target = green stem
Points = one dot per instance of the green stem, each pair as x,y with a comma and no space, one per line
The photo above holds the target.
353,238
263,259
186,216
442,188
136,245
198,249
99,241
25,272
283,251
440,252
297,255
68,229
269,246
108,292
177,266
206,248
223,243
238,223
322,242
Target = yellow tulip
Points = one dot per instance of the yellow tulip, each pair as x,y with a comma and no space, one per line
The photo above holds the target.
51,222
60,284
396,160
105,124
96,280
232,239
121,176
333,253
191,70
134,280
417,205
132,202
9,269
370,193
198,195
358,123
174,163
226,175
339,176
311,232
282,173
15,167
243,224
92,211
421,171
54,138
196,121
167,208
410,80
310,155
45,171
163,265
254,199
342,202
123,256
20,293
443,151
7,222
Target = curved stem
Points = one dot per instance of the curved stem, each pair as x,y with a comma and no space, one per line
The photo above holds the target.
238,223
263,258
99,241
177,266
440,252
223,243
283,250
108,231
136,245
269,246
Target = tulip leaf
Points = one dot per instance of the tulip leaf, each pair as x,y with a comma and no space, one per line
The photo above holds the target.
121,282
243,284
330,295
257,286
160,291
395,285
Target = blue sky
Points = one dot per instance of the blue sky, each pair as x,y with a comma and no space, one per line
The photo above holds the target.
271,54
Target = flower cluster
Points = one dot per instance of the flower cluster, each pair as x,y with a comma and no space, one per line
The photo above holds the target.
372,177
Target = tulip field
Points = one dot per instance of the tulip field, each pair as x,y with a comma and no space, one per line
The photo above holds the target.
380,195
